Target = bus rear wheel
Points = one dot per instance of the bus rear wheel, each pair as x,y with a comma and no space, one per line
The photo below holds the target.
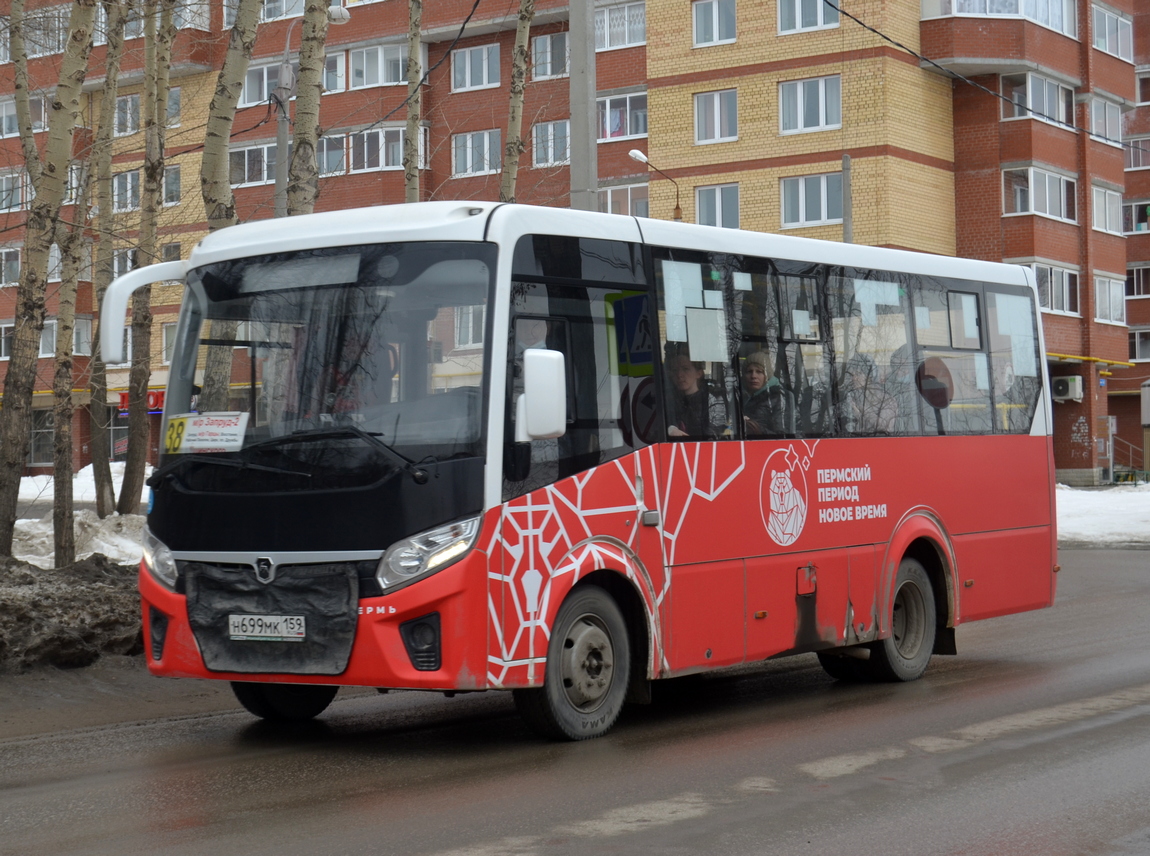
903,656
284,702
588,666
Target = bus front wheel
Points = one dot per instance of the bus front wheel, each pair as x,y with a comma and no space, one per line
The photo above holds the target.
588,666
904,654
284,702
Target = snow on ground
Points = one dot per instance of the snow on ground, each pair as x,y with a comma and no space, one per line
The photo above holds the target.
117,537
1115,515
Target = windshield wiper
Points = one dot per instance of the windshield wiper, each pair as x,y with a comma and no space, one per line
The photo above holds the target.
417,473
154,479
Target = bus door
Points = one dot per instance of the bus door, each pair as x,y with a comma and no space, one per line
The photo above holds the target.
564,496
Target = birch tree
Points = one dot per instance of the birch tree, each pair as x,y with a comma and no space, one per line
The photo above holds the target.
514,146
303,171
159,33
116,15
414,101
216,188
48,179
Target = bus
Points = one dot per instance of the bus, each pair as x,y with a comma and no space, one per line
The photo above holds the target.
468,446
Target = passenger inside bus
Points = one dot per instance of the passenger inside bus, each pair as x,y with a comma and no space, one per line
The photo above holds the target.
697,407
762,397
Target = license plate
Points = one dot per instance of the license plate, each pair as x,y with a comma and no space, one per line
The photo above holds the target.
266,628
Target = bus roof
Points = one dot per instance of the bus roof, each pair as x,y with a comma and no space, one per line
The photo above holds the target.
503,223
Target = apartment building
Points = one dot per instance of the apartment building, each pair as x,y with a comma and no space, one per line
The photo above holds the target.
746,108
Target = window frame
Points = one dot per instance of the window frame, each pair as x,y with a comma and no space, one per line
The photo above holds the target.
127,115
547,130
1124,48
720,192
945,9
536,51
716,18
824,200
602,26
1111,121
1064,194
603,116
268,165
1115,302
9,257
1029,110
489,135
385,56
1108,204
713,103
606,197
490,58
16,190
800,89
172,190
131,189
37,106
1058,280
1136,148
796,6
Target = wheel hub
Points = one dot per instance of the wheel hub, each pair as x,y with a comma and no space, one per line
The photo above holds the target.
588,663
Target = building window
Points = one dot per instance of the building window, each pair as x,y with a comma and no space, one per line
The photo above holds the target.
275,9
631,199
475,68
82,337
333,73
795,16
255,165
550,143
1107,211
378,66
1057,15
123,261
55,264
1139,345
126,191
620,26
716,117
6,333
549,56
330,155
1137,153
168,341
43,432
191,15
1032,96
1057,289
261,82
717,206
172,185
469,326
173,111
45,30
812,200
170,252
379,148
11,191
1135,217
1138,282
9,127
1143,83
476,153
1113,34
1036,191
127,115
714,22
810,105
1106,121
1109,300
9,267
48,339
623,116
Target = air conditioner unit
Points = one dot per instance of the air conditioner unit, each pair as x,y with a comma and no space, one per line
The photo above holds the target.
1066,388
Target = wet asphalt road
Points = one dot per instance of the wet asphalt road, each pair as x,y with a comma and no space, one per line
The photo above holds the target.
1034,740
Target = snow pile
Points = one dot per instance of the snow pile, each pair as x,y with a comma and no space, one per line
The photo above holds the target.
1113,516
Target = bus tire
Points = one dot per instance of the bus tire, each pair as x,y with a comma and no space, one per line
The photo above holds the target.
903,656
588,667
284,702
842,668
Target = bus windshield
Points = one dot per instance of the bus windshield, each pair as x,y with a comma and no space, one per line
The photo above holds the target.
341,364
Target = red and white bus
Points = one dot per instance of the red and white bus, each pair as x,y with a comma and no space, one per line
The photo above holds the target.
475,446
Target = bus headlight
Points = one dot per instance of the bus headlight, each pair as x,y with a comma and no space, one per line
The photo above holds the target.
424,554
159,560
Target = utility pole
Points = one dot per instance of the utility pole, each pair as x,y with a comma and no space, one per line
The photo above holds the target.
584,153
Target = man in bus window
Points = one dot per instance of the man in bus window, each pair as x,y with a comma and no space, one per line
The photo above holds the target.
762,397
697,408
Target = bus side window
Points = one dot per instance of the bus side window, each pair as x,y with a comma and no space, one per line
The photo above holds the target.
1014,362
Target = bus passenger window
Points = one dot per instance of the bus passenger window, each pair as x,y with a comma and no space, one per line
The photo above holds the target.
764,407
1014,360
697,407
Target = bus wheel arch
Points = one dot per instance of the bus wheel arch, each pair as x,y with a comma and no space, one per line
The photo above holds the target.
920,535
588,669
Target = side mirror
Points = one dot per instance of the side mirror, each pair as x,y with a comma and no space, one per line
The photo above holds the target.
116,303
541,409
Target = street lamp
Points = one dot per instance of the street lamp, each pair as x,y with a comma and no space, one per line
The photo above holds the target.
635,154
336,14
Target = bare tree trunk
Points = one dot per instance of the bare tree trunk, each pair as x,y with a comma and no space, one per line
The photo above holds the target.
99,416
158,35
514,146
216,189
414,102
303,172
50,179
71,243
